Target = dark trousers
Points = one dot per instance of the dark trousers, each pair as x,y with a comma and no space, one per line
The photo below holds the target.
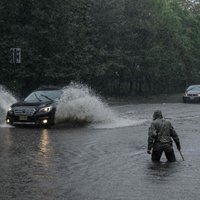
159,148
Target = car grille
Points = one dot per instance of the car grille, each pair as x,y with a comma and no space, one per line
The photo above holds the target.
192,95
29,111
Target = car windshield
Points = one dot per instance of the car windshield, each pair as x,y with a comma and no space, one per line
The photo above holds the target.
194,88
43,96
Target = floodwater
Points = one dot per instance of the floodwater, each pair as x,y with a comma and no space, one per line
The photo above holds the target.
103,160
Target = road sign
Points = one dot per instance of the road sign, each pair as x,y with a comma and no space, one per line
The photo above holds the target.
15,56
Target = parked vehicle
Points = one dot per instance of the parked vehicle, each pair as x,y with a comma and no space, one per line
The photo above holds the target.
38,108
192,94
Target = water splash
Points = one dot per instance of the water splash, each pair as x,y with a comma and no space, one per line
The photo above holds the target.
80,104
6,100
119,122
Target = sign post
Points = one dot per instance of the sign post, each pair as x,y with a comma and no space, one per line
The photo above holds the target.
15,56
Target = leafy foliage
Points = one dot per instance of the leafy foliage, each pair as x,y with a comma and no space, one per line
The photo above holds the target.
120,47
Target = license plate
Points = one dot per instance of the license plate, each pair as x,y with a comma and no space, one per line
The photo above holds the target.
23,118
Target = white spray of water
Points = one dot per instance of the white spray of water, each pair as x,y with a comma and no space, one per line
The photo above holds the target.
118,122
78,103
6,100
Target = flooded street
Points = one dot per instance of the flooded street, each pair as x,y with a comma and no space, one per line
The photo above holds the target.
101,161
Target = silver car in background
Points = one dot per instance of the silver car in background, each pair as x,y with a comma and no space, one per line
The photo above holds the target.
192,94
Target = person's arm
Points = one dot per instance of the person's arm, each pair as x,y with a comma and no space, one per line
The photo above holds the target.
175,137
151,138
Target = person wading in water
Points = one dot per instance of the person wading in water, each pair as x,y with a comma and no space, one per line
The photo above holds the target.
160,136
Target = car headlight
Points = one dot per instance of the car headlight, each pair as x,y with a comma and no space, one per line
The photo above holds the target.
46,109
198,95
186,94
9,109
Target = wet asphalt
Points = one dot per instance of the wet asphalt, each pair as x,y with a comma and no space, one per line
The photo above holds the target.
88,163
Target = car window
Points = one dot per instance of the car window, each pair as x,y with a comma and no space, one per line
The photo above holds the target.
194,88
44,96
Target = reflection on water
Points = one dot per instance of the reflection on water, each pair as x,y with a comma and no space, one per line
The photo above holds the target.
8,138
45,148
44,142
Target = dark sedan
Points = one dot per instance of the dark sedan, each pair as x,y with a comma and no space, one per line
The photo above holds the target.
38,108
192,94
